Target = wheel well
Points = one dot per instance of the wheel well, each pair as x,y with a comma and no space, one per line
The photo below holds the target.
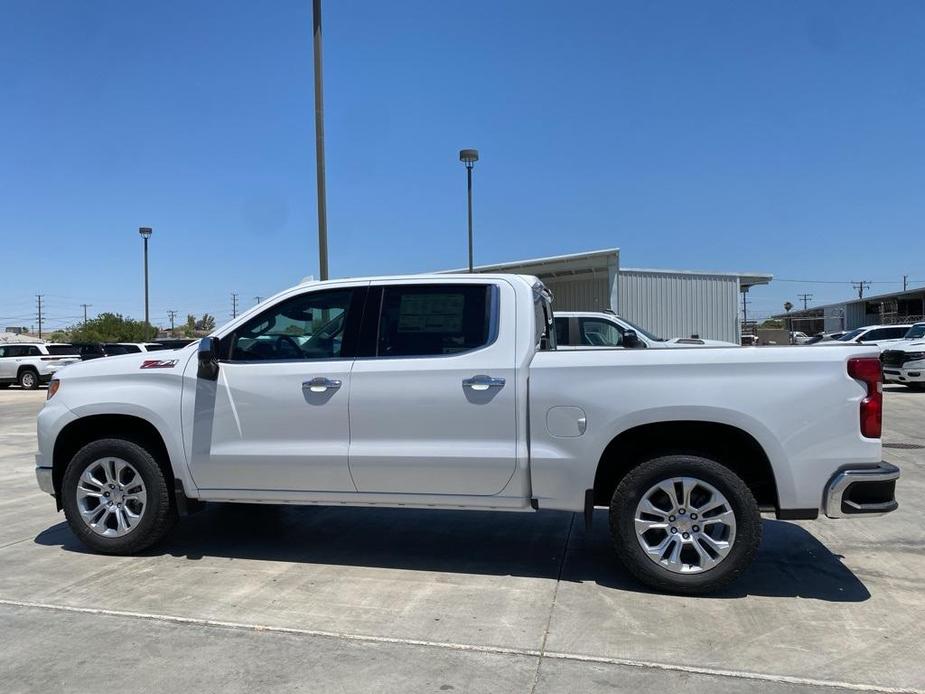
80,432
26,367
725,444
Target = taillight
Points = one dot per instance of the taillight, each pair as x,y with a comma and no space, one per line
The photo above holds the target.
867,369
53,388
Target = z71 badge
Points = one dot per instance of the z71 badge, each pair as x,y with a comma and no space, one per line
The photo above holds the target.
159,363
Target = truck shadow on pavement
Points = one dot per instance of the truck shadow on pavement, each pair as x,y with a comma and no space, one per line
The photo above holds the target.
790,563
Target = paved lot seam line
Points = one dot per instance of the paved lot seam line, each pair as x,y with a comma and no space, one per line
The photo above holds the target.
552,605
501,650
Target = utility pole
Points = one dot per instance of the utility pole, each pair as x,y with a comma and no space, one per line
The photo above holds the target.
861,286
905,282
173,315
85,307
805,298
258,299
319,145
39,298
234,305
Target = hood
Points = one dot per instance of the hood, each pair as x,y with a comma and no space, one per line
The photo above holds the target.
125,364
917,345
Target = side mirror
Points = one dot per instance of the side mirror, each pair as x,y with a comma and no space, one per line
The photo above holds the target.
208,358
630,339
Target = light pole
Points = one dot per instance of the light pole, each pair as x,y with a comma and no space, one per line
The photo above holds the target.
319,145
146,234
469,157
787,307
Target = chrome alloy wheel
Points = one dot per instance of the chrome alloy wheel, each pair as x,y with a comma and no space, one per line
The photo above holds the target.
111,497
685,525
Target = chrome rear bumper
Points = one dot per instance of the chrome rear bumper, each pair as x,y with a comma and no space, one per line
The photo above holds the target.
862,491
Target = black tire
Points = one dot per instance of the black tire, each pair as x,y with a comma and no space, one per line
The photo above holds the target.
159,515
28,379
640,480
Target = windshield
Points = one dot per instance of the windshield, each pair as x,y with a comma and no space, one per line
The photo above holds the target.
849,336
642,331
915,332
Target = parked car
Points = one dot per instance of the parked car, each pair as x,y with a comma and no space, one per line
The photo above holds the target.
174,343
458,398
904,361
32,364
877,335
590,330
799,338
116,348
89,350
823,337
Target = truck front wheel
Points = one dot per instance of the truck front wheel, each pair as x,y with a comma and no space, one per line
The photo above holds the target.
116,497
684,524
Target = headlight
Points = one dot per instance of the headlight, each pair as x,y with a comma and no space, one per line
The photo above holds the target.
53,388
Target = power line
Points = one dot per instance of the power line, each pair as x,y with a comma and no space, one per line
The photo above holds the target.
805,298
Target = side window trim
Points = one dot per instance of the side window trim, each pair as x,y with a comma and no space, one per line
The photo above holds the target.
368,347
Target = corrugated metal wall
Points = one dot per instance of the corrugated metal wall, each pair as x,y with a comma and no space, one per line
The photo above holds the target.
681,304
580,293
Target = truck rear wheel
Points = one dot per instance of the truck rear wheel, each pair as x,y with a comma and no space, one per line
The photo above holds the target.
684,524
116,497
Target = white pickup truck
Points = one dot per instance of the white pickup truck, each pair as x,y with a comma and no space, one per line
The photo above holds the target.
904,361
447,392
607,330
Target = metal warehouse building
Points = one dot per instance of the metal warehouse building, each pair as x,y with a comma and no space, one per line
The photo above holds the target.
883,309
669,303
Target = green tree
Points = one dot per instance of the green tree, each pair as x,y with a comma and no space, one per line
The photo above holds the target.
58,336
112,327
189,329
772,323
206,324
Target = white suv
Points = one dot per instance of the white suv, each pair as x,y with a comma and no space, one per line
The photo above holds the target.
32,364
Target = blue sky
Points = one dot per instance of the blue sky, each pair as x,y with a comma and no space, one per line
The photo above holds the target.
783,137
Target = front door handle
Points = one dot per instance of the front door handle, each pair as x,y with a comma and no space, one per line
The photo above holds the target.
483,382
320,384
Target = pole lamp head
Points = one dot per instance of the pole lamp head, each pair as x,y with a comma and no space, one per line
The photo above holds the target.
145,232
468,157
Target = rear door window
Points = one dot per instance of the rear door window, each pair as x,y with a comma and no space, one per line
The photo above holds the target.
432,320
562,331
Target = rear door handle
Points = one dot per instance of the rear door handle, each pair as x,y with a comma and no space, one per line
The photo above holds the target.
320,384
483,382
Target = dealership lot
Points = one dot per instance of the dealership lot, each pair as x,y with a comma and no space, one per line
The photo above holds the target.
316,599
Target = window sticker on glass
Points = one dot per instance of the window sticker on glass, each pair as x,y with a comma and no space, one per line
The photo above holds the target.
431,313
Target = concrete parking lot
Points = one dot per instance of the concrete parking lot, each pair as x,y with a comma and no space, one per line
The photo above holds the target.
245,599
